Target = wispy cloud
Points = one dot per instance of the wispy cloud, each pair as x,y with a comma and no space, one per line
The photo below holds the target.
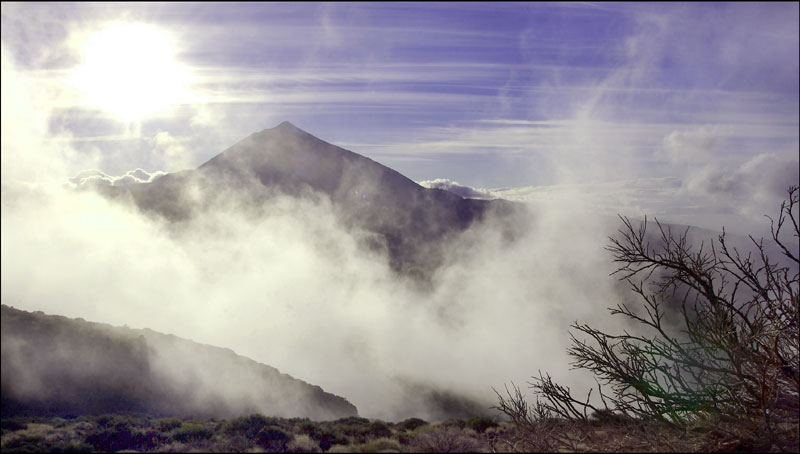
609,82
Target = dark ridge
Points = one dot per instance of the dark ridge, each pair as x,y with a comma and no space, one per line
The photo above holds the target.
56,366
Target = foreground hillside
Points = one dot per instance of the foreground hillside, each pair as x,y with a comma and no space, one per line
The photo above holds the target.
75,386
254,433
257,433
56,366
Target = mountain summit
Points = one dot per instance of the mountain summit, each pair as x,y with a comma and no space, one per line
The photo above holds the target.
290,157
408,220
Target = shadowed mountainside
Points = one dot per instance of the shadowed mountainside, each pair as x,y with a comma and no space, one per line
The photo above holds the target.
410,222
53,365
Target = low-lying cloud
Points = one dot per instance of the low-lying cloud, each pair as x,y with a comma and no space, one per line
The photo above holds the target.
95,177
287,285
748,187
457,188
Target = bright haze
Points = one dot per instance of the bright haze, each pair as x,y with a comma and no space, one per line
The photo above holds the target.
581,111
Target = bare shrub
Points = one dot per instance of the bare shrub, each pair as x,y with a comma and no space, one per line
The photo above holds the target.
538,428
481,423
733,352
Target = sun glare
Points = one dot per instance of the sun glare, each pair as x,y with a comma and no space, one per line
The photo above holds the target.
129,70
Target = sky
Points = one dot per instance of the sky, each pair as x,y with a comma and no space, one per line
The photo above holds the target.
489,95
685,112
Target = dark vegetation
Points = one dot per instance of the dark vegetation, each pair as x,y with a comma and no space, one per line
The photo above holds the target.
254,433
721,375
258,433
56,366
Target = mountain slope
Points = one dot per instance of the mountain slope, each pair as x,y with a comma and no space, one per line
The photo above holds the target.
56,365
410,221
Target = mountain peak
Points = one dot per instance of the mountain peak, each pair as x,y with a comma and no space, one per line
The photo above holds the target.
285,129
286,126
366,194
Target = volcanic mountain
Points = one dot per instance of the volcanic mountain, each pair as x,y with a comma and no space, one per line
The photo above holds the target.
408,221
53,365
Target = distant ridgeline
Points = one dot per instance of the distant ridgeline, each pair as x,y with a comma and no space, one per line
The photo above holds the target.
411,223
53,365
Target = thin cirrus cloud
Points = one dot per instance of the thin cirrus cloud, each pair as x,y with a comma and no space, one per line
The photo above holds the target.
491,95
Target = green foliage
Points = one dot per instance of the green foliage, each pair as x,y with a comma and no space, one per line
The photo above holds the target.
273,439
192,432
453,422
480,424
309,428
328,437
359,430
250,426
378,429
167,424
352,426
58,422
405,438
111,440
412,423
303,443
324,434
120,437
272,434
352,421
113,420
106,420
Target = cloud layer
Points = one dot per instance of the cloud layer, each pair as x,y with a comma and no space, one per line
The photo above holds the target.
457,188
291,288
93,177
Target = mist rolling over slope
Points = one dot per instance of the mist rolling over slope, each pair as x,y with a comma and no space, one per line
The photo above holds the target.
302,278
56,366
408,222
352,277
310,185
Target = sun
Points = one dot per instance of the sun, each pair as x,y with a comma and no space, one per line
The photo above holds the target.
129,70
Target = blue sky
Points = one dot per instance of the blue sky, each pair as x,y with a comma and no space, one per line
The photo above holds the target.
487,94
